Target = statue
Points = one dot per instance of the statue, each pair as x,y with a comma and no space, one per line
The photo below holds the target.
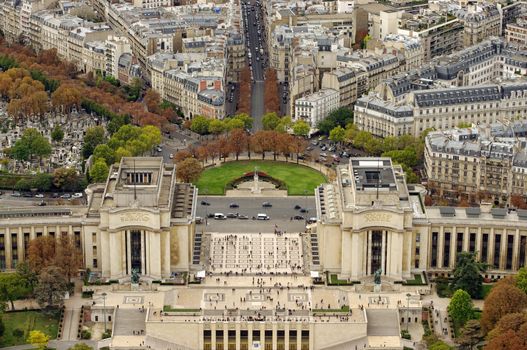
255,188
377,276
135,277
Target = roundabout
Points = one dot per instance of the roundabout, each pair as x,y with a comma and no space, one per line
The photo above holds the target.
294,178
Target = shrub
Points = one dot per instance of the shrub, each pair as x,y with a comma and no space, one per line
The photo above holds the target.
18,333
85,334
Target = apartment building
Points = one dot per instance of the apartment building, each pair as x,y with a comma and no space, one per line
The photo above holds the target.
480,21
516,33
487,160
316,107
351,83
79,38
410,49
115,47
440,109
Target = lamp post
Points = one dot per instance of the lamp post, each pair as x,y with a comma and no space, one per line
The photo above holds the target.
104,309
408,295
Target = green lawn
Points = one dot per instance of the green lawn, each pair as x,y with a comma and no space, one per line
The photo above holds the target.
486,289
27,321
299,179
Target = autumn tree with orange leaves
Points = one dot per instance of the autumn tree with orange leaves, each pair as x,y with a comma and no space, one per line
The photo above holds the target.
244,102
271,93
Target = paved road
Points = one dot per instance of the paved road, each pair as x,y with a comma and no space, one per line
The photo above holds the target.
254,42
280,213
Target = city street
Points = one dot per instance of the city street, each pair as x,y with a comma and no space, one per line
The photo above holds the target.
256,56
280,213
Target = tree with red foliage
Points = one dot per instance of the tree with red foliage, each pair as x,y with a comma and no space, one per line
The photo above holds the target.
244,101
260,142
152,101
271,93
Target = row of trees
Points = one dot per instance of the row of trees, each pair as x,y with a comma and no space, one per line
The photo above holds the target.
128,141
271,121
203,126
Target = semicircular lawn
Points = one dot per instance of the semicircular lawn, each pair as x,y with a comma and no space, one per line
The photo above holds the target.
299,179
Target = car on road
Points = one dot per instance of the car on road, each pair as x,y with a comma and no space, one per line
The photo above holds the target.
266,205
199,219
205,203
304,210
66,196
262,217
39,195
77,195
219,216
27,195
298,217
159,149
232,215
42,204
234,205
243,217
16,194
311,220
171,156
297,207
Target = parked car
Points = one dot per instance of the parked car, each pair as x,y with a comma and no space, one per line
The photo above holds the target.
262,217
77,195
199,219
205,203
297,207
234,205
16,194
298,217
266,205
55,195
66,196
42,204
39,195
243,217
219,216
27,195
304,210
311,220
232,215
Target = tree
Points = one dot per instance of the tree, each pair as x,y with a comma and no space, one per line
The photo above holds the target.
188,170
94,136
80,346
38,339
244,105
238,141
66,97
260,142
200,125
104,152
57,134
407,157
470,334
440,345
467,274
460,308
41,253
508,340
234,123
521,279
68,257
99,170
271,93
51,288
301,128
247,121
152,101
66,179
217,126
516,322
298,146
518,201
182,155
28,276
31,144
337,134
270,121
504,298
341,116
12,287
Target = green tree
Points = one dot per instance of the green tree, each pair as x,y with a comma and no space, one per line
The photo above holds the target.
460,308
80,346
29,277
234,123
406,157
23,185
467,274
66,179
301,128
217,126
57,134
51,288
2,327
200,125
440,345
470,334
104,151
284,124
521,279
12,287
94,136
42,182
337,134
247,121
99,171
38,339
341,116
31,144
270,121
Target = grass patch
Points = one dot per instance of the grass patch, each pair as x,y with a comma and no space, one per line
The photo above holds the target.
486,290
417,281
168,308
27,321
334,281
299,179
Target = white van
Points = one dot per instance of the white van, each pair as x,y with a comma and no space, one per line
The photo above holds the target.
262,217
219,216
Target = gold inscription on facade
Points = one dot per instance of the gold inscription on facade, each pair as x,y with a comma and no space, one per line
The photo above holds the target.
135,217
377,217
